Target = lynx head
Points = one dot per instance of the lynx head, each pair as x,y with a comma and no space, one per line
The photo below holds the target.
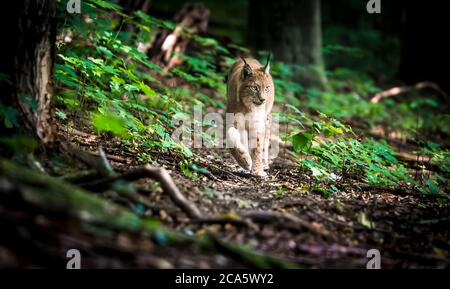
256,84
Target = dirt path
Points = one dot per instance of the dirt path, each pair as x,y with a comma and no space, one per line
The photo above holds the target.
410,230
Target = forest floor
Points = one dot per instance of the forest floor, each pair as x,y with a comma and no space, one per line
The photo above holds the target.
409,229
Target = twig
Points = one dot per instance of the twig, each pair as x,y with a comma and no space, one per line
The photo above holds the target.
105,162
114,158
415,162
81,176
217,168
169,187
89,159
84,135
34,163
249,219
137,198
402,89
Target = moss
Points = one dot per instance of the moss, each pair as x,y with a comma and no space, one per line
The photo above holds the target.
54,195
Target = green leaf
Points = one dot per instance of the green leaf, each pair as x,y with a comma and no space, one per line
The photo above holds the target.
146,89
32,103
198,169
433,146
432,187
9,115
130,87
61,114
331,130
302,141
4,77
105,51
20,144
109,122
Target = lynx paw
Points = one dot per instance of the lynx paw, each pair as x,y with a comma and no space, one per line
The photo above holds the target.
260,174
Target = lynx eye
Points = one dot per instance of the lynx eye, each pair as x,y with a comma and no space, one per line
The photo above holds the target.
254,88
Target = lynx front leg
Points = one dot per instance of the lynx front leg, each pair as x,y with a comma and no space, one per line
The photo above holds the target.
268,130
257,134
238,150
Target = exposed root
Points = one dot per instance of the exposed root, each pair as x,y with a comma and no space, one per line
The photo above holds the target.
156,173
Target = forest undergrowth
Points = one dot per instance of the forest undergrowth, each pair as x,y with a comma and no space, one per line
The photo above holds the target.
352,174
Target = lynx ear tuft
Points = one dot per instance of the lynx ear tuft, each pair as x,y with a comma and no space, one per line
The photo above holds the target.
247,70
267,66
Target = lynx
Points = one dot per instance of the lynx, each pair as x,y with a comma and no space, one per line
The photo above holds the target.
250,93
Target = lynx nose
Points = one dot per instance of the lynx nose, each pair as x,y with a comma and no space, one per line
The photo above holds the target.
260,100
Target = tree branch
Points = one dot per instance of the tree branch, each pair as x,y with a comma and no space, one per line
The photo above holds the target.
402,89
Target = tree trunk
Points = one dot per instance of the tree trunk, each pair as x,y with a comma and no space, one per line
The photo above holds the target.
30,48
291,29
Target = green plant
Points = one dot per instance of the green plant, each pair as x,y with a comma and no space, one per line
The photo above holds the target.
101,71
331,152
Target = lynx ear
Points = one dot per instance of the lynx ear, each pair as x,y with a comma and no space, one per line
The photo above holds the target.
267,66
247,70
